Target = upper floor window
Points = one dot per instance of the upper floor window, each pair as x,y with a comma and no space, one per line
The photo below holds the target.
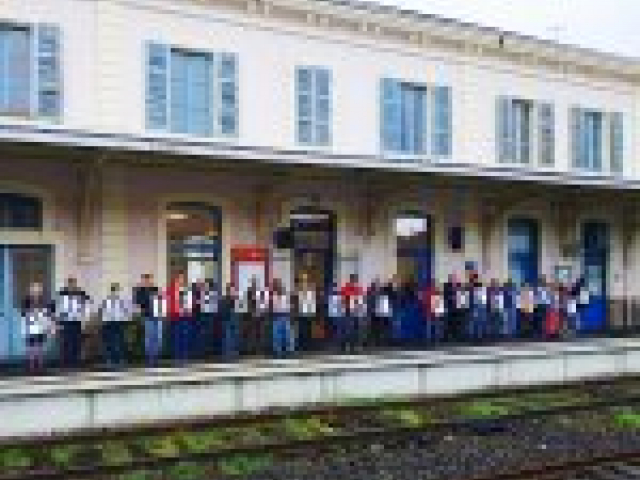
20,212
191,92
519,124
30,71
313,106
405,118
597,140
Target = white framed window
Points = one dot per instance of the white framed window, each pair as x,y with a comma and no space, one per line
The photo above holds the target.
525,131
30,71
191,91
313,106
597,140
409,111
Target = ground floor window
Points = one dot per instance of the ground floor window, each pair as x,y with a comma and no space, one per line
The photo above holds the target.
414,247
20,212
194,241
523,244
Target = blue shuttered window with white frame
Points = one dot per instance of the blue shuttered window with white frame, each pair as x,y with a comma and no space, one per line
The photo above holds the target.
31,71
191,91
514,130
596,140
408,112
313,106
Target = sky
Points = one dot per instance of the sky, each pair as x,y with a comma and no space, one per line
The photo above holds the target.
608,25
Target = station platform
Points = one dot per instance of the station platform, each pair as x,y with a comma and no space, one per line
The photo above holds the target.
89,401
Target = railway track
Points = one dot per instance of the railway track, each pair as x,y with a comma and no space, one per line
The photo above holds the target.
353,439
623,466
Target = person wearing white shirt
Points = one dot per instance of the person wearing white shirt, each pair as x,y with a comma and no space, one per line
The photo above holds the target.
305,296
37,317
115,312
283,340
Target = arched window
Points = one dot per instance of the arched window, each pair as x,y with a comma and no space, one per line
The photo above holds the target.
20,212
194,241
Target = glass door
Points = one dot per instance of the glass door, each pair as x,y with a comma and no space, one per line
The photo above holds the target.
20,265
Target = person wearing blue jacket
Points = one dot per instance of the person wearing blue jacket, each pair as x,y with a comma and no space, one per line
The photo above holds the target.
510,294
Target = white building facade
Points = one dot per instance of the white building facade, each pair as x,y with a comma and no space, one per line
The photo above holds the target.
150,136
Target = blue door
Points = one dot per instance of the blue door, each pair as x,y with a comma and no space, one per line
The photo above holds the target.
595,260
414,244
523,243
20,265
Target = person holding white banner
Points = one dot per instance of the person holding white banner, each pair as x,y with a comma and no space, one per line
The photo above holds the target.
115,312
180,304
283,339
152,307
72,308
37,316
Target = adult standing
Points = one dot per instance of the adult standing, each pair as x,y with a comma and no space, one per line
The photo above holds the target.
352,296
230,321
180,305
115,313
207,311
283,339
151,306
306,313
449,293
72,308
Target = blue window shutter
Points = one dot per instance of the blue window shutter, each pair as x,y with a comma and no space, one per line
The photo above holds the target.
49,71
617,142
576,142
179,92
157,88
3,69
304,105
323,106
442,122
199,95
18,65
391,115
546,134
504,150
228,94
420,116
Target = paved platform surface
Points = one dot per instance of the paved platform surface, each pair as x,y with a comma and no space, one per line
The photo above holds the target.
80,401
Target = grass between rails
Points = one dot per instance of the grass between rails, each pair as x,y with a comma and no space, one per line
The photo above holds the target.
378,414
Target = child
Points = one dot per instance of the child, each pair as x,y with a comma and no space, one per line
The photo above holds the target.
37,314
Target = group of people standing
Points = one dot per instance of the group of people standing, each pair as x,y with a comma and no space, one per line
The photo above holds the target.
199,321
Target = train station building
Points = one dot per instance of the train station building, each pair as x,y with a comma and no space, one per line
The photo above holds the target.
156,136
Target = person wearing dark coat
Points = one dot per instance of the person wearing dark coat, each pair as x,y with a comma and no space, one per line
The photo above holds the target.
72,308
451,320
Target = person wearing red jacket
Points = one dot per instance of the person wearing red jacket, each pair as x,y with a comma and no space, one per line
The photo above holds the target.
355,307
180,306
